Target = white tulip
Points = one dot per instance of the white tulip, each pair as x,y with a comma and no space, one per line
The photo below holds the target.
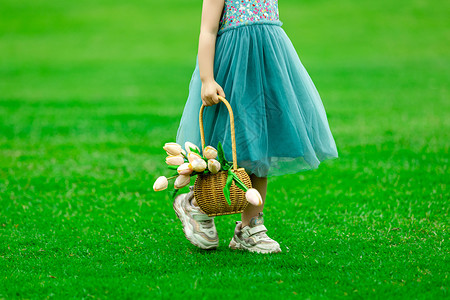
174,160
198,165
160,184
213,166
253,197
189,145
185,169
193,156
172,149
182,181
210,152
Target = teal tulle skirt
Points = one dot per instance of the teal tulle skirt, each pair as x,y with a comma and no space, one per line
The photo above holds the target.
280,122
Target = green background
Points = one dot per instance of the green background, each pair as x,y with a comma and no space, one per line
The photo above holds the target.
91,90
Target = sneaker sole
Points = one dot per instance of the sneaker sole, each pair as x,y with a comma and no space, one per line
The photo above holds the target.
188,229
238,246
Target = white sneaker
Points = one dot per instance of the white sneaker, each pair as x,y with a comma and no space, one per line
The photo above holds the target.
253,238
198,228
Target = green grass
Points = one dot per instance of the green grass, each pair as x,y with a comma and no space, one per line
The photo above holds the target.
91,90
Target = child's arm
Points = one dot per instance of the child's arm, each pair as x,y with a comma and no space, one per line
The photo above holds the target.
211,13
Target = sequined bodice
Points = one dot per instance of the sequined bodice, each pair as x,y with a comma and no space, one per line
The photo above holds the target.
246,12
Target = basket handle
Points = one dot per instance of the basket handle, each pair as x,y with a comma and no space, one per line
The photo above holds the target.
233,137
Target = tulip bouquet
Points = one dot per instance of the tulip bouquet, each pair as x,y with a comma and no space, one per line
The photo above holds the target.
190,162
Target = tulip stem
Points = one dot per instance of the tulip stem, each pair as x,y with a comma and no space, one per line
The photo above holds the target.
175,176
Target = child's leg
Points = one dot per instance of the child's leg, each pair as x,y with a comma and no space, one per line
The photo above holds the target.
259,183
253,237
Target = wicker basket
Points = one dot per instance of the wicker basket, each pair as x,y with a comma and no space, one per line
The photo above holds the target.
208,189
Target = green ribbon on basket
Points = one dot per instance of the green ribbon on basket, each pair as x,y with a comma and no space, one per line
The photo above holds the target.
226,166
226,190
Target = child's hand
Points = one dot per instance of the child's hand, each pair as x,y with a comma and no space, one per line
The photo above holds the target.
210,92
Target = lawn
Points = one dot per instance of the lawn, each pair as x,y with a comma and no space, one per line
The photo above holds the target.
91,90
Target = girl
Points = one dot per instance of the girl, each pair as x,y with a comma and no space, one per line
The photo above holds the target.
281,125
